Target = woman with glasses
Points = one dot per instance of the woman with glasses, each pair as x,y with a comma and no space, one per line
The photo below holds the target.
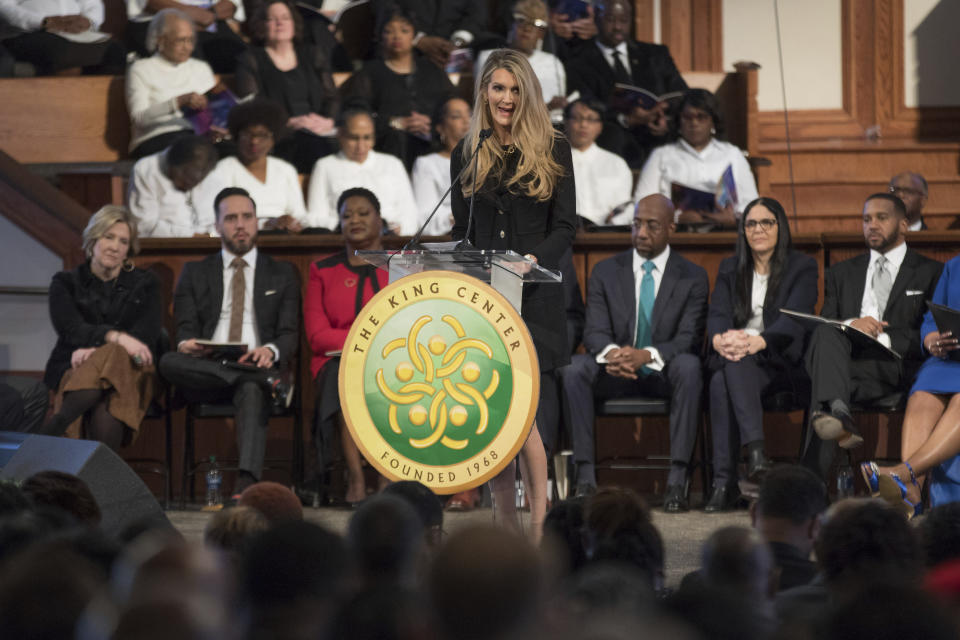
526,33
753,348
271,182
698,159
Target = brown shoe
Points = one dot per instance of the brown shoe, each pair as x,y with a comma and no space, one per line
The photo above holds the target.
463,501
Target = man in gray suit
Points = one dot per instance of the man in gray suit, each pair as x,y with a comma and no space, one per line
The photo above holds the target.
237,295
646,311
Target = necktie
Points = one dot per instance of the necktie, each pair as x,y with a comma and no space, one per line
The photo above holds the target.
619,70
238,290
881,284
645,306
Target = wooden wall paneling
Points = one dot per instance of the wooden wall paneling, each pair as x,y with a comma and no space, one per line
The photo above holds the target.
693,29
675,31
643,20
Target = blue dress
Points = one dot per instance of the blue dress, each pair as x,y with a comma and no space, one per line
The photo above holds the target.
942,376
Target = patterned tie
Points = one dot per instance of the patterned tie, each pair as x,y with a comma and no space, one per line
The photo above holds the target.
619,70
882,283
238,290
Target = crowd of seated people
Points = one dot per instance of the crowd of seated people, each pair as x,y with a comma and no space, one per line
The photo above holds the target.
855,570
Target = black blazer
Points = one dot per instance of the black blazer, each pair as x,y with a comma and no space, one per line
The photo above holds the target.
679,312
916,280
81,321
276,292
651,68
504,220
784,337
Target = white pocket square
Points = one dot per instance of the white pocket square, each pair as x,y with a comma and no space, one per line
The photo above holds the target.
915,292
270,292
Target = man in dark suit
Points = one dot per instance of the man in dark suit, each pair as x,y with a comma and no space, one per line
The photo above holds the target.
881,293
237,295
912,189
646,310
615,58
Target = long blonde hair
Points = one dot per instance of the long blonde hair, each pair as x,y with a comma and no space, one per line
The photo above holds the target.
533,134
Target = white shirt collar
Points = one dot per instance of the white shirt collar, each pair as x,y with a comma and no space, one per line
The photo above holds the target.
250,257
916,226
895,256
686,146
608,51
591,149
366,163
659,261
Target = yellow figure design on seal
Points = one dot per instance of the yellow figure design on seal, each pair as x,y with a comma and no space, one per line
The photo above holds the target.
446,400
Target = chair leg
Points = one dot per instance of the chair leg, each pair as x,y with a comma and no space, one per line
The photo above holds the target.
187,462
705,453
168,454
297,462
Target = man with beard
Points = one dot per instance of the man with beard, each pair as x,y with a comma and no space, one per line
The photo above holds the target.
881,293
237,295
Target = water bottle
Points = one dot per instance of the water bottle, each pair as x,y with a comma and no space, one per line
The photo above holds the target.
214,481
844,482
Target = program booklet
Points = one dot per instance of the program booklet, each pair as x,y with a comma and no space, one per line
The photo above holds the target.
687,198
626,96
220,101
947,319
859,338
573,9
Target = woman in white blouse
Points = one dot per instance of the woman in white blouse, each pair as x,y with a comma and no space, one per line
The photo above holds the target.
698,160
272,183
431,173
160,87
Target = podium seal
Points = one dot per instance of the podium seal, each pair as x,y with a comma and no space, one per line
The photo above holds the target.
439,381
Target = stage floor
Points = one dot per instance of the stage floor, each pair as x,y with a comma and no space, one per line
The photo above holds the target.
683,533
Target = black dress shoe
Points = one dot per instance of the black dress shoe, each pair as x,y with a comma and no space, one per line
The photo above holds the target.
723,498
757,464
675,499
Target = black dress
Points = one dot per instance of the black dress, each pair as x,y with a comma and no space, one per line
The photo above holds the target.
389,94
508,220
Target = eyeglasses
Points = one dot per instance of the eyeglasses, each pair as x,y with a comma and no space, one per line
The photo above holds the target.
525,21
255,135
764,223
695,116
652,225
898,191
582,119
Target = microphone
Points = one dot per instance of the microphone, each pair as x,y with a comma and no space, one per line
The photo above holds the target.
465,244
414,242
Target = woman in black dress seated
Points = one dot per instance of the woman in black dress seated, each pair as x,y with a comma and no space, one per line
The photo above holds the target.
107,316
295,75
754,349
402,89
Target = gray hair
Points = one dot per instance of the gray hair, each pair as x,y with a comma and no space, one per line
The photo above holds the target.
158,25
106,217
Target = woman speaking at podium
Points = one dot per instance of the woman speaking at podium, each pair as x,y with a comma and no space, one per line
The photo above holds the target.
525,201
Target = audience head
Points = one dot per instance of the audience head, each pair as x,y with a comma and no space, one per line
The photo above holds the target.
110,238
583,121
275,22
604,589
791,499
911,188
396,37
172,35
274,500
888,612
426,504
387,537
529,25
720,614
884,222
236,220
451,119
940,534
360,220
255,125
652,225
188,161
867,541
698,118
485,583
356,134
738,560
233,529
619,530
63,491
614,20
563,532
384,613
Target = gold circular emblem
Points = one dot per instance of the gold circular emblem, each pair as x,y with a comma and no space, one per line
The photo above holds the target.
439,381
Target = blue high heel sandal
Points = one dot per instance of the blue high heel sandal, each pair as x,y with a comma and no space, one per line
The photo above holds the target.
871,476
893,490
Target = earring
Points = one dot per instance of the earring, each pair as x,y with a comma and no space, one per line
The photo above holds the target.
713,131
